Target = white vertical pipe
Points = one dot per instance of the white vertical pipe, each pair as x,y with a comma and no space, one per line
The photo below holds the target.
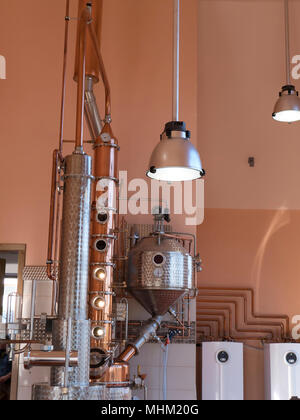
32,311
176,60
68,350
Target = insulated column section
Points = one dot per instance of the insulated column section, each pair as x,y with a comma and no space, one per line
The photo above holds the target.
74,268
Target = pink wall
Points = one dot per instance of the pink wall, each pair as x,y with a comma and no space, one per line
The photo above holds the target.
137,48
258,249
241,70
227,103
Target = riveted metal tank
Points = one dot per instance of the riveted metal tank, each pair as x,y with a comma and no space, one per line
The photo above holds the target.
160,271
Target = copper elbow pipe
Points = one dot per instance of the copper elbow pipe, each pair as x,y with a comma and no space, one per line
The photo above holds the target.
213,325
216,318
96,44
203,327
215,311
92,65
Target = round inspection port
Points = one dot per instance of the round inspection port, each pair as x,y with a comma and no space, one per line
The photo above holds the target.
98,303
101,245
100,274
159,259
102,217
98,332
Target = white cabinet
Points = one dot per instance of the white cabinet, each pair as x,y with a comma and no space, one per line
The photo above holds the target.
282,371
222,371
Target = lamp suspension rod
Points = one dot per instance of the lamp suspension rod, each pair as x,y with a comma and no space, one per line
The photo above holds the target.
176,61
287,42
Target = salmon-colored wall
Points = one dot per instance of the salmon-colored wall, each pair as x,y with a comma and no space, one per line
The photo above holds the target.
250,235
254,248
227,100
137,50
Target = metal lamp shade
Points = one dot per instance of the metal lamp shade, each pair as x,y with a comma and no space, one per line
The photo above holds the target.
287,108
175,159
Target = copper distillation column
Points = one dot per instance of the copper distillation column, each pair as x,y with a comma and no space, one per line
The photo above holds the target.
104,218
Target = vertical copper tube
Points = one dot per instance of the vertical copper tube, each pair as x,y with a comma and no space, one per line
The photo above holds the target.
56,155
92,65
83,23
63,95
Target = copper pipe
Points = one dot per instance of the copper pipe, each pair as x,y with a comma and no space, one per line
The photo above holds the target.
56,157
215,324
217,318
236,318
206,326
251,291
92,66
102,70
204,312
63,95
203,328
147,332
127,354
83,22
241,337
56,245
284,328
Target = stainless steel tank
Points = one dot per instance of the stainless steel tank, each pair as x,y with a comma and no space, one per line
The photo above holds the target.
44,392
160,271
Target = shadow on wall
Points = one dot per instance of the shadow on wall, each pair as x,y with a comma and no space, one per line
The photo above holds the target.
281,219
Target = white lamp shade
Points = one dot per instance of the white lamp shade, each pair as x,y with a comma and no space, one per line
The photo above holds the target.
287,108
175,159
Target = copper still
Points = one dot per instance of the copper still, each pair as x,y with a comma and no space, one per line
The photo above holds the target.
84,357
